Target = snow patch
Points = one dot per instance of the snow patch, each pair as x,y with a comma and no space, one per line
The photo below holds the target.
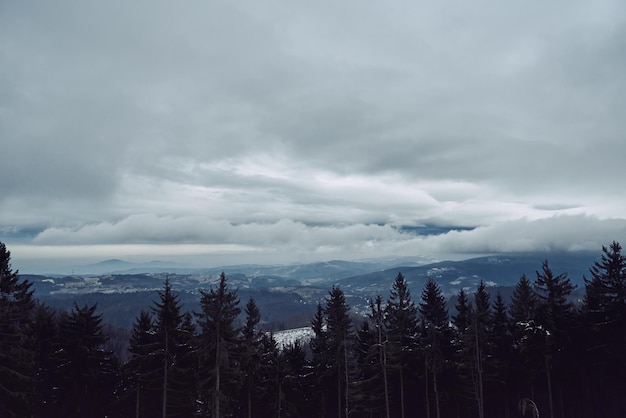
290,336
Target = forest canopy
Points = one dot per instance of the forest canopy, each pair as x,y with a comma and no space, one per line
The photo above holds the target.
408,357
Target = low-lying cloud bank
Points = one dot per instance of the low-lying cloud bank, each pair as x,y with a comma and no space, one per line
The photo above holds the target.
149,236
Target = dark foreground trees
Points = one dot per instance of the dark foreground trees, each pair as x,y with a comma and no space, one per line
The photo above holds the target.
218,356
17,371
402,359
436,337
85,373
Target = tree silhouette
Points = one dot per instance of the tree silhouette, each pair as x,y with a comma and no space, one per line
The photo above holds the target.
218,343
436,336
17,371
86,372
401,323
251,355
340,339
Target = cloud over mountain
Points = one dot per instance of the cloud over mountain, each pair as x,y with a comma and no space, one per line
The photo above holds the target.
299,127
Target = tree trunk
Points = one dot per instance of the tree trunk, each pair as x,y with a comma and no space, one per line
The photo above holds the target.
402,391
561,403
479,369
165,367
137,397
216,392
436,390
384,364
280,395
549,386
339,393
345,360
507,413
426,387
249,397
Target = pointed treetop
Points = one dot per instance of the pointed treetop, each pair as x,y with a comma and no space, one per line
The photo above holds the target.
433,305
523,301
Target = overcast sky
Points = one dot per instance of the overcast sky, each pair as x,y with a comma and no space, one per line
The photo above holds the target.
278,131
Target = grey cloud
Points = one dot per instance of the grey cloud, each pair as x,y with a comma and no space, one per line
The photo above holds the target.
277,242
116,117
559,233
142,229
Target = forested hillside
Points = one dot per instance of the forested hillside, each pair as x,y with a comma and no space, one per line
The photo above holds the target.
409,357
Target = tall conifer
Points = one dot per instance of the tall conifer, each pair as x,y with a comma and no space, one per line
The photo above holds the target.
402,333
218,343
17,370
340,340
86,371
436,338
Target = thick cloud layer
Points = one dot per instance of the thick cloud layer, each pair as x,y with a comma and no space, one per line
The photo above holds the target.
318,129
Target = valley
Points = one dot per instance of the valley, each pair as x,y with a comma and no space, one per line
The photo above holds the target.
287,295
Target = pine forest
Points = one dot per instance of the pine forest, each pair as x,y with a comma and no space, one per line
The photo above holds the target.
540,353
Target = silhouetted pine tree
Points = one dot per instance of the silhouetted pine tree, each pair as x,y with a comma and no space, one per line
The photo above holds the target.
608,279
401,323
477,345
339,339
45,334
17,371
499,363
526,364
171,348
294,381
462,319
378,316
319,388
251,357
555,313
523,301
462,386
140,390
554,309
604,338
273,375
218,345
183,376
86,373
366,394
436,338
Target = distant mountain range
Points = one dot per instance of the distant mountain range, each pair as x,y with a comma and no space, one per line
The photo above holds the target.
498,270
284,292
120,266
332,269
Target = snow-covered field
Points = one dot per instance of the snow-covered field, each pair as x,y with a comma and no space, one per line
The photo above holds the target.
289,336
